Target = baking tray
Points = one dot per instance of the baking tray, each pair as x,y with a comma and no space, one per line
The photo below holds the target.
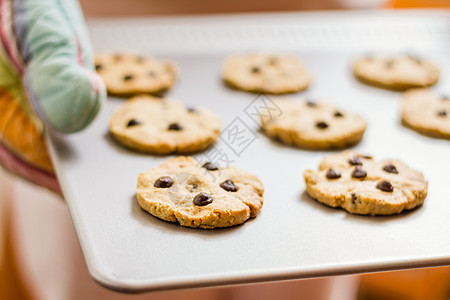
126,249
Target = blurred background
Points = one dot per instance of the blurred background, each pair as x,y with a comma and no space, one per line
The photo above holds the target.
57,234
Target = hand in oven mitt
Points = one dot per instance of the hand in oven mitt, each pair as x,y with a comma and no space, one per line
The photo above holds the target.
47,81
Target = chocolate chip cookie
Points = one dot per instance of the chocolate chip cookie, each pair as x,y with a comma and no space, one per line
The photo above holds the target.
199,195
427,112
127,74
396,72
272,74
312,125
361,185
152,125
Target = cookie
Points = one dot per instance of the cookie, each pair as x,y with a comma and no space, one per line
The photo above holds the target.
127,74
361,185
312,125
199,195
272,74
152,125
396,72
427,112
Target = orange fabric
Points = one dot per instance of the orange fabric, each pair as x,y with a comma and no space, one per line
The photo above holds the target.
420,3
20,135
11,287
433,283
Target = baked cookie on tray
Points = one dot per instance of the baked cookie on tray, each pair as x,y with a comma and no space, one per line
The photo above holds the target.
199,195
152,125
312,125
361,185
272,74
128,74
399,72
427,112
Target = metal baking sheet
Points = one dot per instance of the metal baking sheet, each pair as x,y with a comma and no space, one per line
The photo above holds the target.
127,249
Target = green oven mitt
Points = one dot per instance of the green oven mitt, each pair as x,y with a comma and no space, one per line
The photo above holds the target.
47,80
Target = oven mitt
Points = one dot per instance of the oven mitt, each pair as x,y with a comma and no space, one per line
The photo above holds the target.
47,81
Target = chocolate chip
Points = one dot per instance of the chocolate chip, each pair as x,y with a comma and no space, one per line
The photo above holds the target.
355,161
192,110
256,69
175,126
389,63
127,77
133,122
354,198
311,104
385,186
321,125
359,172
210,166
98,67
333,174
442,113
229,186
390,168
163,182
338,114
203,199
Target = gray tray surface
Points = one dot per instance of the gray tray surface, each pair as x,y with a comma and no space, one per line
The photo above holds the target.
294,236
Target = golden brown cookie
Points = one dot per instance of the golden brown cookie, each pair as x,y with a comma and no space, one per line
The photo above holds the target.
396,72
361,185
152,125
427,112
127,74
272,74
199,195
312,125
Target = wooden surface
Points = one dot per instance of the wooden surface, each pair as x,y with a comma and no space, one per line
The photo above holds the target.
112,8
